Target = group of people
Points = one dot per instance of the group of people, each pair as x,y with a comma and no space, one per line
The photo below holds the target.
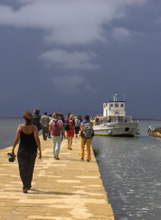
54,126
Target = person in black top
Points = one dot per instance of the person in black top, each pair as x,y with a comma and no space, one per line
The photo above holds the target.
36,119
27,133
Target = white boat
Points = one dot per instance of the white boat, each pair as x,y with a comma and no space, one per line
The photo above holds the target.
114,121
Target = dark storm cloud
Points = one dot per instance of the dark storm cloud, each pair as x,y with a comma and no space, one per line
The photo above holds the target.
78,53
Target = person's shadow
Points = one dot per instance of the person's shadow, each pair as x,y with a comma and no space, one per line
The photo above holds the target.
35,191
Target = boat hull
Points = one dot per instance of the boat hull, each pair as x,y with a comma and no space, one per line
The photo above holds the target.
116,129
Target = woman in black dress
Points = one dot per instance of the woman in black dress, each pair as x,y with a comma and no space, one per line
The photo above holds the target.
27,133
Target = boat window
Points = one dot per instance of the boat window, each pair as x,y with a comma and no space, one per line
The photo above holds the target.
116,105
111,105
113,119
122,105
120,119
126,129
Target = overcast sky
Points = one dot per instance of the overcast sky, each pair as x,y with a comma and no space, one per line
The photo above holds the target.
73,55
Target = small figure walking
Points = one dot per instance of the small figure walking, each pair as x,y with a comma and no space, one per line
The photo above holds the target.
56,128
45,125
27,133
77,126
86,133
36,119
70,132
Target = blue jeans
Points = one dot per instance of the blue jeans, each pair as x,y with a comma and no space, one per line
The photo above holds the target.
56,144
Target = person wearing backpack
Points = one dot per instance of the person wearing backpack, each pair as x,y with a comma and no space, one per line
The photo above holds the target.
86,133
56,128
77,126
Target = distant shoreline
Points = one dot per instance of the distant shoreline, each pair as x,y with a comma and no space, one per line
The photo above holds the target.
146,119
10,117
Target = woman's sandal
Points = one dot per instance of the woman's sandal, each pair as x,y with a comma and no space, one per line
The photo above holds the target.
57,158
25,191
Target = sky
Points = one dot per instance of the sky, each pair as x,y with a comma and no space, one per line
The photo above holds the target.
74,55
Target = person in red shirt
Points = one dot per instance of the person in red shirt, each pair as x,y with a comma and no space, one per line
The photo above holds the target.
70,132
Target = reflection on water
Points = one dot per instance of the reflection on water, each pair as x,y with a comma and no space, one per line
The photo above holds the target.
130,169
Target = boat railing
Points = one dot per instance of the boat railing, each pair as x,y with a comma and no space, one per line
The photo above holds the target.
113,119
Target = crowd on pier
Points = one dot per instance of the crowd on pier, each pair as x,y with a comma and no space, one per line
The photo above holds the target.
57,127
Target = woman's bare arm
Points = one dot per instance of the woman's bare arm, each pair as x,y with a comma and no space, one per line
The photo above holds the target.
37,139
62,127
16,140
50,128
81,129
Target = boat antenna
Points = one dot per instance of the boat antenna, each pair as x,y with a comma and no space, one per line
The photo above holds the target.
115,97
124,97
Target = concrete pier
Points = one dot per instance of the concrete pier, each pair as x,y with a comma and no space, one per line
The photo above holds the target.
65,189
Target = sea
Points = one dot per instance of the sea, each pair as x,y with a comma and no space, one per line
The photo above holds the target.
130,169
131,172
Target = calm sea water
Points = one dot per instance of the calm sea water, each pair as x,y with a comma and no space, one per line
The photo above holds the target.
131,173
130,169
8,128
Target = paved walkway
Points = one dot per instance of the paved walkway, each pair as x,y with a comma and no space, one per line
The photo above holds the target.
67,189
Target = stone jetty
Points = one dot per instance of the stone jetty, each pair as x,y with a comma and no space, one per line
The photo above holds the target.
65,189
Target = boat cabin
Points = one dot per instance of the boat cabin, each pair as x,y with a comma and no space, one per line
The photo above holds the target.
114,108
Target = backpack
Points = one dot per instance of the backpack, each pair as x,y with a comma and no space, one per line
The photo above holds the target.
66,125
88,131
55,128
77,123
